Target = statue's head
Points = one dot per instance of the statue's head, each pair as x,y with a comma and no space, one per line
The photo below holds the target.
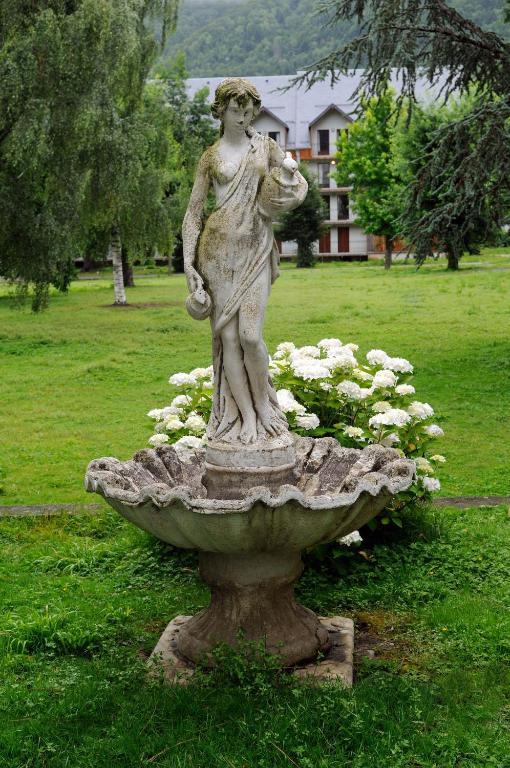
232,92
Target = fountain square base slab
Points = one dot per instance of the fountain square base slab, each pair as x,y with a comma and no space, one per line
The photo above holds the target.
166,662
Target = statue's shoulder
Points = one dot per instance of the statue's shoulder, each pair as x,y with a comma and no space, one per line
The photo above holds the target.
208,158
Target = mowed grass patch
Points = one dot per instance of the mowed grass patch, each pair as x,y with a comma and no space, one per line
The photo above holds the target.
78,379
85,598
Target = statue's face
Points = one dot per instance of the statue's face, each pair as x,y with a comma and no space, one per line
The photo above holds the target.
237,117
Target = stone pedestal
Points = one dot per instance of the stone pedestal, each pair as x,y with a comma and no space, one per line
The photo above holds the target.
252,596
233,469
335,665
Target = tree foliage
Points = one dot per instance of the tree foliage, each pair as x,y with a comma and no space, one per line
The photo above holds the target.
192,130
72,76
305,224
367,162
242,37
466,173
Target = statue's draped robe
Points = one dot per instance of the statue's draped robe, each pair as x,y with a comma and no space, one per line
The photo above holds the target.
237,250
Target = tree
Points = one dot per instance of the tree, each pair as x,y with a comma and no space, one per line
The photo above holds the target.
466,175
305,224
416,143
367,162
192,130
69,71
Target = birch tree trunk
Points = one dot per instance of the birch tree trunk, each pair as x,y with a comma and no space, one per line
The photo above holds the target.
127,269
388,252
118,278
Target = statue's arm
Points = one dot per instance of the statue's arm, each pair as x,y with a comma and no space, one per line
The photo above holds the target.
280,159
192,223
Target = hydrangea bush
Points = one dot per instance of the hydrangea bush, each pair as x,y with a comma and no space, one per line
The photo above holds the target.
324,390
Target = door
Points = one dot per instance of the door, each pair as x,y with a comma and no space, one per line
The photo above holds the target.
343,239
325,242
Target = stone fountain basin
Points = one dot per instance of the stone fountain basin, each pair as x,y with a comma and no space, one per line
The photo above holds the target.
336,491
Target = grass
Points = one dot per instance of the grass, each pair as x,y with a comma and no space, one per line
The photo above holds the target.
85,597
91,594
78,380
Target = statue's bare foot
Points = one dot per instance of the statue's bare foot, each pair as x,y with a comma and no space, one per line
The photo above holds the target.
248,433
270,425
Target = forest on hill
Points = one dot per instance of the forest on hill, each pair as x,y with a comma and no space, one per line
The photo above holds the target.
242,37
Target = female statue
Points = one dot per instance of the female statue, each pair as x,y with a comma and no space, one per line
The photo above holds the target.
232,261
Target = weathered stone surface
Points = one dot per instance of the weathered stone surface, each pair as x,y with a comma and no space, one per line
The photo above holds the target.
336,664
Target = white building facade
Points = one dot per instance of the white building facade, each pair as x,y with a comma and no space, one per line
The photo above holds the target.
307,123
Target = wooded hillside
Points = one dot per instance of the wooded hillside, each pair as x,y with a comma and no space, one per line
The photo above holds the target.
241,37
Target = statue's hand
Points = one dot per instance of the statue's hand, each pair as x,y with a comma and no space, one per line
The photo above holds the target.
195,282
289,164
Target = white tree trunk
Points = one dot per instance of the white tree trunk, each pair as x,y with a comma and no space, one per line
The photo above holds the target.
118,279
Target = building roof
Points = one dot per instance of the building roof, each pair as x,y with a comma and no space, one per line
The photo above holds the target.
297,107
266,111
332,108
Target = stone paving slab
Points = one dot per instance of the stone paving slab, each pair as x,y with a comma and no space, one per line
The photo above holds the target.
33,510
166,662
36,510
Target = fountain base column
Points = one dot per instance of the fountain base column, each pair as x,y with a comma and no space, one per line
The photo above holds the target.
252,597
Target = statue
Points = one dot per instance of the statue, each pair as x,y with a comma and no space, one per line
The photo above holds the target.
255,496
232,262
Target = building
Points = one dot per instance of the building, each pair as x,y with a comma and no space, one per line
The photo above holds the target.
307,123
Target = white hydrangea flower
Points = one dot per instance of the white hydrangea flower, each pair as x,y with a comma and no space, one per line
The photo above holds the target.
381,406
351,538
351,346
390,440
173,423
286,347
182,379
405,389
308,421
433,430
394,417
377,357
329,344
180,401
340,359
399,364
423,465
159,439
326,386
310,369
195,422
288,403
188,443
355,432
155,413
351,390
309,351
438,458
420,410
201,373
159,426
384,379
430,483
362,375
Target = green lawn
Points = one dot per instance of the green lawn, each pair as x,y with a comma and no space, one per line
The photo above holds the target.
91,594
78,379
84,598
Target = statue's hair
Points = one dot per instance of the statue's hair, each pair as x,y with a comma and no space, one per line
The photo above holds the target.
235,88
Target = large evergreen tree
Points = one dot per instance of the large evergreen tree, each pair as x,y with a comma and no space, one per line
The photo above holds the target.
71,71
467,172
367,162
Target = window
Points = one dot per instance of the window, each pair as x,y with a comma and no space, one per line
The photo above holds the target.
343,207
323,136
324,169
325,201
275,135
